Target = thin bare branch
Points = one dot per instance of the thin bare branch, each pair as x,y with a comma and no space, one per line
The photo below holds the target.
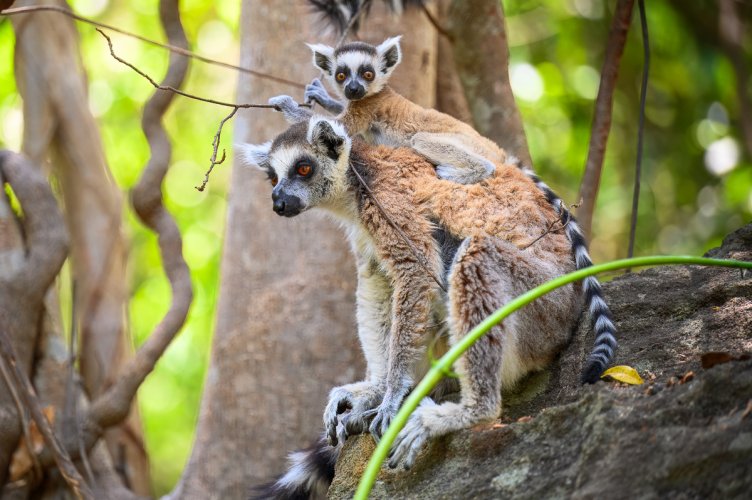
171,48
418,256
215,145
173,89
640,128
591,179
439,28
21,381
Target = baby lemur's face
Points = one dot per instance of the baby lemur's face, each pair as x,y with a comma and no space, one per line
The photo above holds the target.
306,164
356,69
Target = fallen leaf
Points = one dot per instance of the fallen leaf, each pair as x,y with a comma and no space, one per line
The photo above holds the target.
524,419
687,377
747,410
710,359
498,426
625,374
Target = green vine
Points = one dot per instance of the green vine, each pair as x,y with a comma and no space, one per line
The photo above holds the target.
438,369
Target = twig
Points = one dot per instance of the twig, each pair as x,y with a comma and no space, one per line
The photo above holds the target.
640,128
29,397
215,145
173,89
566,213
419,256
442,31
591,179
171,48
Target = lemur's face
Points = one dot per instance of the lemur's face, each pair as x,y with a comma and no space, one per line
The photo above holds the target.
357,70
305,164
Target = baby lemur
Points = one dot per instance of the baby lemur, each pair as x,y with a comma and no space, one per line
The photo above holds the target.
476,238
360,72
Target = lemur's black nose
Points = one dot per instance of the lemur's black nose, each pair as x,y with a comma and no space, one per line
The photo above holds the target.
279,206
354,90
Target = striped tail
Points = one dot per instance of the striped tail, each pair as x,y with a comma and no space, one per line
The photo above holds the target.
339,13
309,474
600,315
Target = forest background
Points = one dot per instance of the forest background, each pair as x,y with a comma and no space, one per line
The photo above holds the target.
697,167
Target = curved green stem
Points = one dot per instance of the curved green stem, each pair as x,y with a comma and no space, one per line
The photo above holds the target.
442,365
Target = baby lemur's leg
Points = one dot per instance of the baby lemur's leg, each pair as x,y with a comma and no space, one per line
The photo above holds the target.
347,410
315,92
453,156
486,274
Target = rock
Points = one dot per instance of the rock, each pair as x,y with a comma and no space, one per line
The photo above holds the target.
676,436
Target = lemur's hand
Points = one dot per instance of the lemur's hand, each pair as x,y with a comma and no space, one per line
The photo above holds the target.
351,407
315,92
292,111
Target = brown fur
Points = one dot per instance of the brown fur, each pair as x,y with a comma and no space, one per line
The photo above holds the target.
388,110
501,216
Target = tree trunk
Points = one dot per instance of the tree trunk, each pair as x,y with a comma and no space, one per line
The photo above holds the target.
285,332
481,55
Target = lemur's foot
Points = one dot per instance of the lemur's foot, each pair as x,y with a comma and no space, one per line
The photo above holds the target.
385,413
411,439
349,410
464,175
315,91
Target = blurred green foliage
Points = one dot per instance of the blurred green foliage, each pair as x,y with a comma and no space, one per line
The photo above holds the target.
556,49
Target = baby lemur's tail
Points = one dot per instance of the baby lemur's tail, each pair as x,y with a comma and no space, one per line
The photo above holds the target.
309,474
600,315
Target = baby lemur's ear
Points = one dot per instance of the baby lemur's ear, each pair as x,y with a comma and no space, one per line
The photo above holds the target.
255,155
389,53
323,57
328,137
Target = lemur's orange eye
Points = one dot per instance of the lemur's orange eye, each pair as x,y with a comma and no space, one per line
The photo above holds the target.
341,77
303,170
368,75
274,181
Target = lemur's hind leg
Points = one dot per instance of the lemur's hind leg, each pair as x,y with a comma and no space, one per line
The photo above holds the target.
486,274
315,92
454,159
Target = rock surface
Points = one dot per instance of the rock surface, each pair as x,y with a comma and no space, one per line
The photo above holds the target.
685,433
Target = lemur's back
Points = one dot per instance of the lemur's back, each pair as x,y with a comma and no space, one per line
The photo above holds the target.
389,110
507,205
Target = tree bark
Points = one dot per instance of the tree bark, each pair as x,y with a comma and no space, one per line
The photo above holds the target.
481,55
285,332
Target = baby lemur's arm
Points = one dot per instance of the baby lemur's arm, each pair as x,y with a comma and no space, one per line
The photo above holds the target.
315,92
291,110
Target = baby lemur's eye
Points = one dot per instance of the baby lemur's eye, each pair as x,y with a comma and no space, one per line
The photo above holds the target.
303,169
341,77
368,75
274,180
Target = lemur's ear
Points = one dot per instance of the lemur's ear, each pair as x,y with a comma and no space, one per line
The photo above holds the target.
323,57
389,53
328,137
255,155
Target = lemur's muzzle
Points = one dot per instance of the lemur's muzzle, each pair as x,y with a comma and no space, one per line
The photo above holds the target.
354,90
286,205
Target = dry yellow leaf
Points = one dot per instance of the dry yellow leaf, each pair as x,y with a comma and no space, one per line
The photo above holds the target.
625,374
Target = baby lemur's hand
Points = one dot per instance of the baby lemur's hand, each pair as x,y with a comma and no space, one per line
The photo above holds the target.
292,111
315,92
